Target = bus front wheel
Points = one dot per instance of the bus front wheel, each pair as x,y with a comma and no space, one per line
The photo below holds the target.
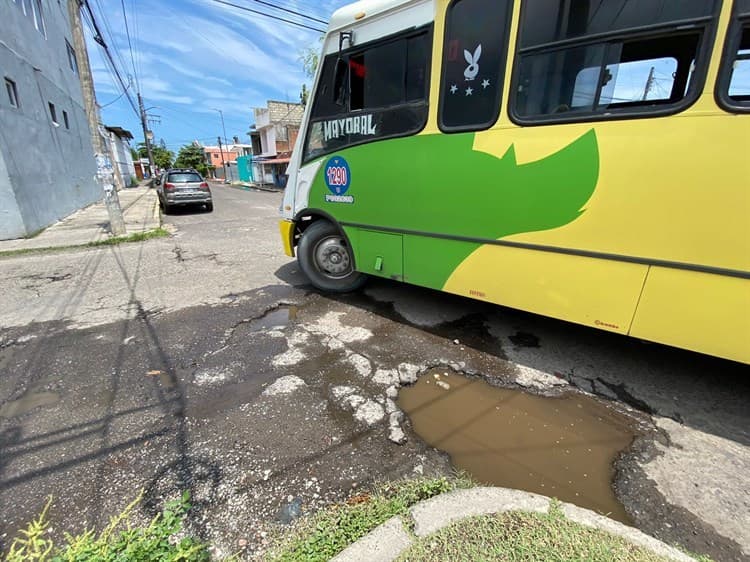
327,260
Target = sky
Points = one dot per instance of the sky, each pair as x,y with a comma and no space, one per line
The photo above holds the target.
191,58
194,57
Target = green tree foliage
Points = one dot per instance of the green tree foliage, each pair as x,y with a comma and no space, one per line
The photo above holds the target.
162,156
191,156
309,57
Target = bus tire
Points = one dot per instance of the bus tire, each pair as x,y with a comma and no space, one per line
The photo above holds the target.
326,258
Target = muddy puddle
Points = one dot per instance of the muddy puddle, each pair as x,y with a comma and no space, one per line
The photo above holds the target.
27,403
560,447
276,319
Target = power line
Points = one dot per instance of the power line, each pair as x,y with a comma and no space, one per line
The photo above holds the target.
130,44
111,102
111,40
100,40
108,64
246,9
288,11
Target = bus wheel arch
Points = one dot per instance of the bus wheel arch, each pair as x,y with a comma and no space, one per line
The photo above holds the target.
325,255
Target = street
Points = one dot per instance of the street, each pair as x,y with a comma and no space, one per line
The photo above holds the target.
153,366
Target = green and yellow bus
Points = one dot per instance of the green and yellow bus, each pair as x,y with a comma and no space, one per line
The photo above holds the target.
587,160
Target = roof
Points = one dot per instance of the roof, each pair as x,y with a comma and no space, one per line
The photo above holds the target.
226,147
120,132
284,160
346,15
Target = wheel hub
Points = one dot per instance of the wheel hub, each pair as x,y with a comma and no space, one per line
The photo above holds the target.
332,257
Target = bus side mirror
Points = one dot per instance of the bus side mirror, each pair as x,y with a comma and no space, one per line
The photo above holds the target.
339,82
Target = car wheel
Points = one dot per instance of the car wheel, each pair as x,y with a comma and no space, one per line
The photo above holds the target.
326,258
209,207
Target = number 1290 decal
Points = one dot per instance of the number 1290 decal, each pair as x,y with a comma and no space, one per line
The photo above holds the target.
337,175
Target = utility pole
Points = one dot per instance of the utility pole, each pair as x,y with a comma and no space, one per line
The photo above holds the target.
144,124
104,171
649,84
223,129
223,164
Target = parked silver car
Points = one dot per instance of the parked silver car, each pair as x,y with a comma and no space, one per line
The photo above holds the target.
183,186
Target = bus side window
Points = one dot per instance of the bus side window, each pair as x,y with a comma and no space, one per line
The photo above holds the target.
371,92
578,60
474,55
739,84
733,88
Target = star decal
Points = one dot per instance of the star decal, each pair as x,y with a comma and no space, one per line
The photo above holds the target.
454,89
485,83
469,91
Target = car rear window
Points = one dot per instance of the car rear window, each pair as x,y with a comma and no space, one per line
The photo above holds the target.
184,177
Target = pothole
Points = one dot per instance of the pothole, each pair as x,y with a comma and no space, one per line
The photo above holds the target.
276,319
563,447
27,403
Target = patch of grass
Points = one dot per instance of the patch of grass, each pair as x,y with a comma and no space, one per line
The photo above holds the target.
120,541
135,237
520,537
114,241
325,534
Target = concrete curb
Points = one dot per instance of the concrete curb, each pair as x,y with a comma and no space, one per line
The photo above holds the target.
389,540
254,188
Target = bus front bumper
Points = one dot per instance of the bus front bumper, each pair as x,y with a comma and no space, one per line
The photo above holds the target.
287,233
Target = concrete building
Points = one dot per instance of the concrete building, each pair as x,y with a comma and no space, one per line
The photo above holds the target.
118,143
276,130
231,153
47,168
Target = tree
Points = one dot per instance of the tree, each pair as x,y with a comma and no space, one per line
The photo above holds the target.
162,157
309,57
191,156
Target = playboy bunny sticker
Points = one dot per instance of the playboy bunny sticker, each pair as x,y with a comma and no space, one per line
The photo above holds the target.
473,69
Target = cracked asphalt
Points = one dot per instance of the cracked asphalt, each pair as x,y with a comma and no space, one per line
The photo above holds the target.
205,362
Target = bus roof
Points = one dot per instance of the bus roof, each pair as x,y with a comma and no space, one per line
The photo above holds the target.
347,15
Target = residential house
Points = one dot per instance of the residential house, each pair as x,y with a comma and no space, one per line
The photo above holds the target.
118,144
276,130
47,168
226,156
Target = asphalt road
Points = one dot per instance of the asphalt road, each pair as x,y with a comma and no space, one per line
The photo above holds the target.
150,366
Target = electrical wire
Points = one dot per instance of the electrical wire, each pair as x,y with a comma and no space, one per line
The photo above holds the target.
111,36
288,11
100,40
113,101
130,44
291,22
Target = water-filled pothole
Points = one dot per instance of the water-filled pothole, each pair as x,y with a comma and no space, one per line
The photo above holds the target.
276,319
27,403
563,447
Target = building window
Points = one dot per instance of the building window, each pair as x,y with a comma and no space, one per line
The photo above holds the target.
33,10
53,113
603,59
10,87
38,17
72,61
65,119
474,52
215,155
